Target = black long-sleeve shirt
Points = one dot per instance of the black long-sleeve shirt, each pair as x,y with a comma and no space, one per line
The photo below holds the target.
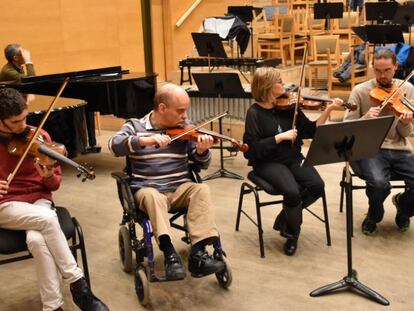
262,125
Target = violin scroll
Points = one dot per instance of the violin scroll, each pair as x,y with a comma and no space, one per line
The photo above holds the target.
85,173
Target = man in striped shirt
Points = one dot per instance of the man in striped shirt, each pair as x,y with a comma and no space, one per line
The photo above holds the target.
162,181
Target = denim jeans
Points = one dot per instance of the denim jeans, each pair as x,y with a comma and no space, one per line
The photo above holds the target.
377,172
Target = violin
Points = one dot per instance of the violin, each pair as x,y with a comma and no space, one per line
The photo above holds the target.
393,96
17,146
191,133
399,103
288,101
47,154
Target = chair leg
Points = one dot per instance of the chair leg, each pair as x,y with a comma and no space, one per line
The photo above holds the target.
82,247
310,78
326,218
259,224
239,209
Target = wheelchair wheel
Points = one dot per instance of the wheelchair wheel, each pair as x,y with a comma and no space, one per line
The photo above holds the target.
225,277
141,285
125,249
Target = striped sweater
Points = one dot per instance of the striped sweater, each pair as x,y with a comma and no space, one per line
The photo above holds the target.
163,169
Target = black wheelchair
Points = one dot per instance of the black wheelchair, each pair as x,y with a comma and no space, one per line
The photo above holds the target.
128,241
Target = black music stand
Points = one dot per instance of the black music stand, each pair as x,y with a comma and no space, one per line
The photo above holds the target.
384,34
223,84
328,11
360,32
244,12
345,142
405,17
208,44
380,11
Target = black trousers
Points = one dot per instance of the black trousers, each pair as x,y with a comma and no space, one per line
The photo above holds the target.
292,180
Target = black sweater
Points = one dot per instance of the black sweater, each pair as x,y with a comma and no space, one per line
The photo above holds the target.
262,125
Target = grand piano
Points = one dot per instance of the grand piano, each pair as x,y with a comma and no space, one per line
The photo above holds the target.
109,90
66,123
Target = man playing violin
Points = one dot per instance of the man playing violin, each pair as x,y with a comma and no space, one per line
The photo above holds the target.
275,151
395,155
26,204
161,179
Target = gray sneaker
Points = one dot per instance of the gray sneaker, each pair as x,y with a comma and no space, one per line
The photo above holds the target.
368,226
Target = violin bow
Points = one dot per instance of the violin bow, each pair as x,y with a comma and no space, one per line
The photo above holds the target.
302,74
36,133
389,98
175,137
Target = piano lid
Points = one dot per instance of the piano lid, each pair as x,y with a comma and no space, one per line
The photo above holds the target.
99,73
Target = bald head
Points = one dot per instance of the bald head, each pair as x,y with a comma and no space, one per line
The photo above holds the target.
171,104
168,94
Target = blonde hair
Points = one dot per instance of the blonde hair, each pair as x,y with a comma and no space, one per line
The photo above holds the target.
263,80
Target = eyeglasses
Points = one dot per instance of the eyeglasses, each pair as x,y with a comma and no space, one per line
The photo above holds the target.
279,81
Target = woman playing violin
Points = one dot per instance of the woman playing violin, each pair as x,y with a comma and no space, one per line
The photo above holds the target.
395,155
161,179
275,152
25,204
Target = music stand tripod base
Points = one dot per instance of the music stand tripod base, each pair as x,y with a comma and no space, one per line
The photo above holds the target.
350,282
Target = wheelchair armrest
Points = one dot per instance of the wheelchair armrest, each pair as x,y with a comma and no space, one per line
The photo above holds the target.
195,170
121,177
125,194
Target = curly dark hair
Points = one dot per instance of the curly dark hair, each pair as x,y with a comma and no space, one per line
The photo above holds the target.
12,103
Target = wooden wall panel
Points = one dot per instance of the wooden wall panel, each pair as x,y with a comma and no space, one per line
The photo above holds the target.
69,35
179,40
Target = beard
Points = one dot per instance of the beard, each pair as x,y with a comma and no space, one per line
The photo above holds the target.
385,84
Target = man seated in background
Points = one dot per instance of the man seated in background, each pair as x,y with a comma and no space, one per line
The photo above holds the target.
17,59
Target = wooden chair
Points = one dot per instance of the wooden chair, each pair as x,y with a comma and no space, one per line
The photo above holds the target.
315,27
279,40
342,27
359,74
301,33
325,53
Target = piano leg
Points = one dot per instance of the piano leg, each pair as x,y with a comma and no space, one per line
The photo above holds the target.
90,126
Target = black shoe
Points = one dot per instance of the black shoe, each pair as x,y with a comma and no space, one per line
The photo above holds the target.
84,298
201,264
92,149
290,246
280,221
402,221
368,226
174,270
281,225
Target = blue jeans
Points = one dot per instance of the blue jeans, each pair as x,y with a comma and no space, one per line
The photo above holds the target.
377,173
